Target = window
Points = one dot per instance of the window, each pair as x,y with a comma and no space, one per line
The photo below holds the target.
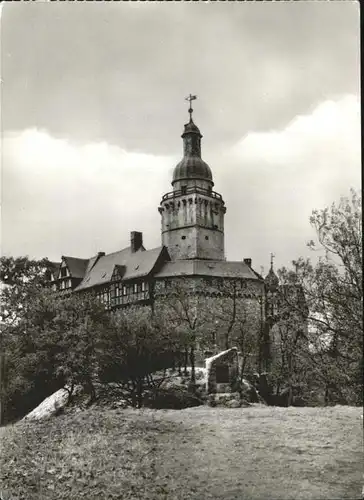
104,298
206,237
124,290
183,237
135,288
64,272
115,295
143,286
184,189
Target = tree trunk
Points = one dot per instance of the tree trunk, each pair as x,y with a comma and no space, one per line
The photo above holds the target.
243,364
185,362
2,388
90,390
290,395
139,395
192,360
326,395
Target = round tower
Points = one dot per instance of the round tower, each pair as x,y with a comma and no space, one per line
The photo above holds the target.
193,214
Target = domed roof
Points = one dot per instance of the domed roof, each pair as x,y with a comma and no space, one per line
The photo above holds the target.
192,167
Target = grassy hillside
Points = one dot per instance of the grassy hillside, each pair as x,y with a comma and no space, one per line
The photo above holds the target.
199,453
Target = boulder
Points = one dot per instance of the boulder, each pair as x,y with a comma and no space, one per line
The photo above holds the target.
53,405
233,403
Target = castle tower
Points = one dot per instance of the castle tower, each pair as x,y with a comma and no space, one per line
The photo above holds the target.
193,214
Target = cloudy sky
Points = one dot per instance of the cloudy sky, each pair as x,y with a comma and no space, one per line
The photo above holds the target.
93,109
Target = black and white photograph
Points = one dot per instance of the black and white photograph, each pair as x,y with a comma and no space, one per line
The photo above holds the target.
181,288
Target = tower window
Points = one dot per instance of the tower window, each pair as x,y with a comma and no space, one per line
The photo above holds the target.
184,189
183,237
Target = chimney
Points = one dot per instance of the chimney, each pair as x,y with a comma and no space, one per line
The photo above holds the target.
136,241
248,262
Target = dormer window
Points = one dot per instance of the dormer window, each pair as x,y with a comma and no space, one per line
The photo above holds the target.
64,272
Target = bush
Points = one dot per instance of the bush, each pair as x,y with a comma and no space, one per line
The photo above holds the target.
174,398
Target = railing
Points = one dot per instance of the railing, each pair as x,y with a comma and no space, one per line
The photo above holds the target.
190,190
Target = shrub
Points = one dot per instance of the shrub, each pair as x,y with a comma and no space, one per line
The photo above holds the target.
174,398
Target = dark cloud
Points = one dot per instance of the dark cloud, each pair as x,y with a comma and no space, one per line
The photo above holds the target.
119,73
93,109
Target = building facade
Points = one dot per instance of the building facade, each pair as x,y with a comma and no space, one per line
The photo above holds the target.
192,252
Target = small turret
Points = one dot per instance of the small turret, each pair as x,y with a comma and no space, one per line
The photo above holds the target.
271,280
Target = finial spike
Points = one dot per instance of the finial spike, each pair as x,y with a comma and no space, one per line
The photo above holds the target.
272,255
190,98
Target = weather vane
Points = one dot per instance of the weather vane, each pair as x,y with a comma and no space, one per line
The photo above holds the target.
191,98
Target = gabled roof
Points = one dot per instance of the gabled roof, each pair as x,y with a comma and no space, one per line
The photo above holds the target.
214,268
53,269
77,267
137,264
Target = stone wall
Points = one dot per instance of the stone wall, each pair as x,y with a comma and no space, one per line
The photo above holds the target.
228,313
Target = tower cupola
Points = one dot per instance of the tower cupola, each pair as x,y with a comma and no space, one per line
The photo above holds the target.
192,166
192,215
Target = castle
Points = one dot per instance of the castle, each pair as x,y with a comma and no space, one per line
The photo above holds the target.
192,250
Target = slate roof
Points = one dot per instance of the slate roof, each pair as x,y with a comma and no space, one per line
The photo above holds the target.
137,264
77,267
214,268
